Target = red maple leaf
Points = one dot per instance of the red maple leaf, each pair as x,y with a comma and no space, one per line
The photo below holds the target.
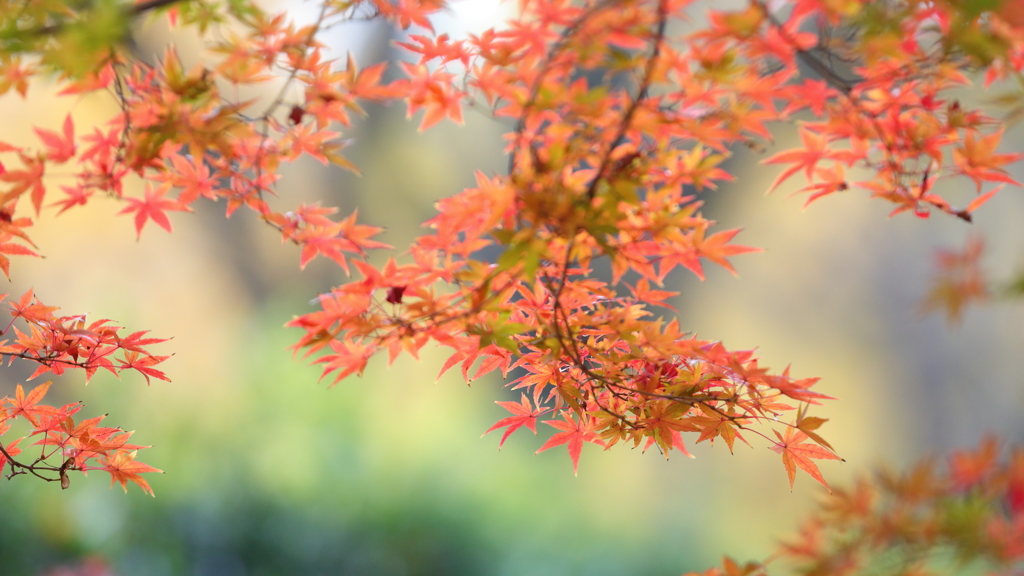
351,356
77,195
574,434
815,150
60,148
31,177
142,364
153,207
11,448
11,248
525,415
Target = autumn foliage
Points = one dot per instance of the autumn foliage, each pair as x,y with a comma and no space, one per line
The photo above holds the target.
56,344
968,510
623,113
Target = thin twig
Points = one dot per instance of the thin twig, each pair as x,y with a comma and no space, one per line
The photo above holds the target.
131,12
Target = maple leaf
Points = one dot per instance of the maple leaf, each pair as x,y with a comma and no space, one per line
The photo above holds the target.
643,292
26,406
351,356
153,207
978,160
409,12
797,389
968,468
142,363
366,83
434,92
13,249
440,47
715,424
92,80
813,94
195,180
29,178
60,148
76,196
674,440
815,150
525,415
123,468
796,452
981,200
574,433
13,74
808,425
32,310
717,248
102,145
135,341
335,238
832,180
959,281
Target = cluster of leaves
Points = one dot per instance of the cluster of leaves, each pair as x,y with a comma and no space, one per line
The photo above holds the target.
615,119
623,114
969,513
57,343
959,282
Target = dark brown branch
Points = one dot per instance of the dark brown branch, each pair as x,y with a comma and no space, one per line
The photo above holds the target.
627,118
824,70
131,12
543,69
33,468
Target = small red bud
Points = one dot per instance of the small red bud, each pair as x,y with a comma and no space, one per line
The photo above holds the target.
395,294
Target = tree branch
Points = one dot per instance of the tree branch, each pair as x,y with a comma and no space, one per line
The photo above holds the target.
133,11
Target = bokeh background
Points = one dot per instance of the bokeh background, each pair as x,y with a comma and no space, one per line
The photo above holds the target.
269,472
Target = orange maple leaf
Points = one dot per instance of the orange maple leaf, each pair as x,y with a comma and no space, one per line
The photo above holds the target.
977,159
795,452
968,468
717,248
123,468
26,406
434,92
816,149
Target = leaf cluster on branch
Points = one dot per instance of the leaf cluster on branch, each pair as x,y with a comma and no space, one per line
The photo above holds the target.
968,514
624,112
56,344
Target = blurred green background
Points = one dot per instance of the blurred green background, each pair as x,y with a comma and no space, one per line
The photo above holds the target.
269,472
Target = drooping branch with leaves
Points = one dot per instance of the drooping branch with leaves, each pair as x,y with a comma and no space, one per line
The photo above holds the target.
623,113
